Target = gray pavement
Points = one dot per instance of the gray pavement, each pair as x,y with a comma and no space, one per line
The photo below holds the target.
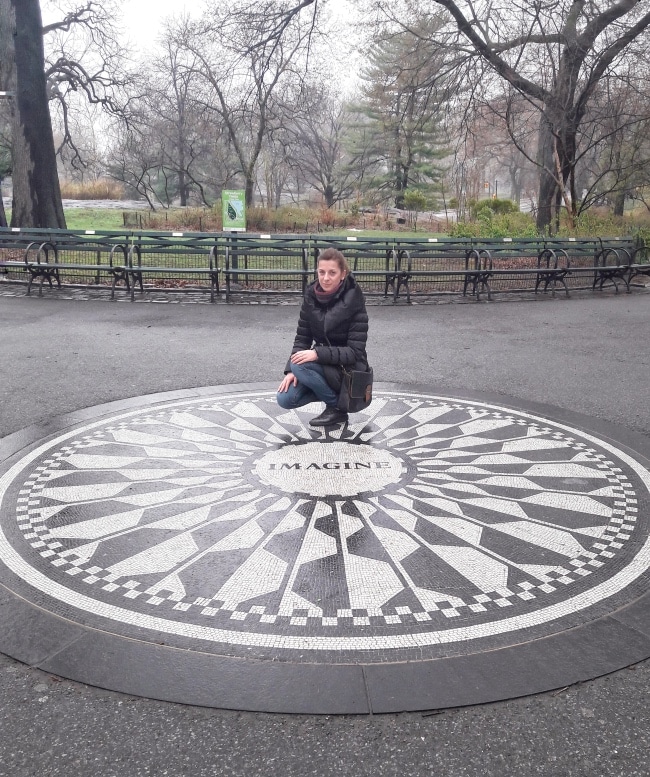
588,354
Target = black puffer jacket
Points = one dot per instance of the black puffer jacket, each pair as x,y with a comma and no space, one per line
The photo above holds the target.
338,330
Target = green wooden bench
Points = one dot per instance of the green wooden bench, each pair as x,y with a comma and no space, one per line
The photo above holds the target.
165,257
639,264
439,266
614,263
50,255
539,263
267,264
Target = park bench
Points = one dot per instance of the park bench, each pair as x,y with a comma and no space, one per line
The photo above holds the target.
615,262
373,261
596,262
435,265
13,242
537,263
639,264
281,264
168,256
611,266
265,264
472,266
478,272
50,255
476,266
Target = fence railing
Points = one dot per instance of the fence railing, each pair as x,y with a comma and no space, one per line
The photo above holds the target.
230,265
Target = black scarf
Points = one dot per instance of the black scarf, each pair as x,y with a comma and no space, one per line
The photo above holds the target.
324,297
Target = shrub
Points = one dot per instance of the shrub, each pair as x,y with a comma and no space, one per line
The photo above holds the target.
591,223
288,219
187,219
494,205
101,189
414,200
489,224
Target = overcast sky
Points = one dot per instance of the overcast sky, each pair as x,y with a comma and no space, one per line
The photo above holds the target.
142,23
142,19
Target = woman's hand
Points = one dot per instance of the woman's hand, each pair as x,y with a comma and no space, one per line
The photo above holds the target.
288,381
300,357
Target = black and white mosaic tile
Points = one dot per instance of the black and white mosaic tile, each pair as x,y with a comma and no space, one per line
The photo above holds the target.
426,527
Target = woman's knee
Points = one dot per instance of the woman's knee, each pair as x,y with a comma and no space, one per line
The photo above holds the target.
286,400
308,373
299,370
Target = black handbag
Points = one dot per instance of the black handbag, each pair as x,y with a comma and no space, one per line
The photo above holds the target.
356,390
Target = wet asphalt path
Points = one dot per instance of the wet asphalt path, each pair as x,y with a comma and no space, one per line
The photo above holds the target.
588,355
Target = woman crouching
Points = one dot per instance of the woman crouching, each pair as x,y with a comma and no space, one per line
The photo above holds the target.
332,333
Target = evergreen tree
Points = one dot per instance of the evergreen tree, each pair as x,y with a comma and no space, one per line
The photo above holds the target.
397,141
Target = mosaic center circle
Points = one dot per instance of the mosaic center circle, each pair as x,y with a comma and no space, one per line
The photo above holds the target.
424,521
319,469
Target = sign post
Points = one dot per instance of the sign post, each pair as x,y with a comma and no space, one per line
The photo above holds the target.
233,210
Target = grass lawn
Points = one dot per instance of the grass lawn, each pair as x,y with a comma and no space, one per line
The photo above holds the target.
94,218
112,219
90,218
100,218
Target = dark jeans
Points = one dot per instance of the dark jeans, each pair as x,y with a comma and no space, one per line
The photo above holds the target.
312,387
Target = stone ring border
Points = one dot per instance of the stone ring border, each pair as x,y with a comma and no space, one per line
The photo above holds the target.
46,640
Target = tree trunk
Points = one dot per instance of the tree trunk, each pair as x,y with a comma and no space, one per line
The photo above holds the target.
3,215
37,196
182,188
7,84
619,202
249,188
547,183
183,183
515,174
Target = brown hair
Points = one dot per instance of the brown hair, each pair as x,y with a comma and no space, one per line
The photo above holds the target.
334,255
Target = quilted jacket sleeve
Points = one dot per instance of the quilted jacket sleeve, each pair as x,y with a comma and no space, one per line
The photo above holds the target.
304,338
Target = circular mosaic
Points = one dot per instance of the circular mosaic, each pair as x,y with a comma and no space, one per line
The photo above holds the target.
424,525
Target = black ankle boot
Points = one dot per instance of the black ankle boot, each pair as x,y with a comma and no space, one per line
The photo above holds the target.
329,417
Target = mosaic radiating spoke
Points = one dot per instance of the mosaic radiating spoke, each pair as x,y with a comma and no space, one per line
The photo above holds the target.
423,521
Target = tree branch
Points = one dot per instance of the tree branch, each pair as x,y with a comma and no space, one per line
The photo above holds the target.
80,16
488,53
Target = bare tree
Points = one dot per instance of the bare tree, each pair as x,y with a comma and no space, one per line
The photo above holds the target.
615,142
36,192
170,150
316,137
185,134
85,65
135,159
7,86
245,57
83,59
5,159
555,53
275,170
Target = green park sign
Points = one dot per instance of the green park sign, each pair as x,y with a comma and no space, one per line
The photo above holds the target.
233,210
